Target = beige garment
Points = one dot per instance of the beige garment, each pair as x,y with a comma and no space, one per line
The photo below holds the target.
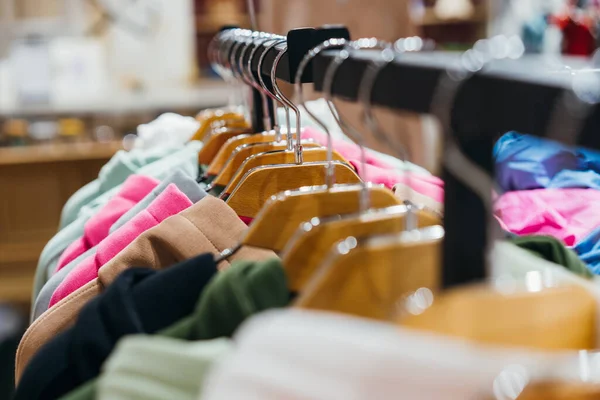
208,226
404,192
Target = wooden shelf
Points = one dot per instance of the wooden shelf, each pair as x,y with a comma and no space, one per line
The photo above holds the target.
429,18
58,152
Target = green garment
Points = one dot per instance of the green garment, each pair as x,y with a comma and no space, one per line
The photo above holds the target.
146,367
553,250
186,159
244,289
157,368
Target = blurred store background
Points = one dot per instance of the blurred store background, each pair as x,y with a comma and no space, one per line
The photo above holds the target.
77,77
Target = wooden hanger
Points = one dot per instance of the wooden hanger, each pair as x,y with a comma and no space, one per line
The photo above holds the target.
242,153
553,390
231,177
283,213
215,142
548,318
307,249
218,162
259,184
206,123
368,277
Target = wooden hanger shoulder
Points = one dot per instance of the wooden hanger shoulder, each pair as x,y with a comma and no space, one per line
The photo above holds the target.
288,210
372,280
312,152
523,318
307,250
555,390
208,119
242,153
263,182
214,143
229,147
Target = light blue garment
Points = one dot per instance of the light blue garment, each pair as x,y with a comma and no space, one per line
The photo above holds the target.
116,170
185,160
52,251
184,182
45,294
180,178
588,251
525,162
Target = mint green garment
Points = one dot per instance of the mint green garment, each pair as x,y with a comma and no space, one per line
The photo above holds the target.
158,368
185,159
154,368
233,295
112,174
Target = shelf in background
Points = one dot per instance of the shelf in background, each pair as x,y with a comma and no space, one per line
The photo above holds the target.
206,93
58,152
429,18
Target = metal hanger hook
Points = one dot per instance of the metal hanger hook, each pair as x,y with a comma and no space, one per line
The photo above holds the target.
273,95
353,133
299,97
298,149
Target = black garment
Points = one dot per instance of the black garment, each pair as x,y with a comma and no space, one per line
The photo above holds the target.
140,300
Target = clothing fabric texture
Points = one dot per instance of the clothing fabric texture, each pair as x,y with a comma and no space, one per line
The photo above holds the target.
295,354
179,178
146,367
321,110
169,202
184,183
235,294
181,367
168,129
524,162
42,302
430,186
232,296
566,214
208,226
553,250
184,159
134,189
141,300
407,193
588,250
112,174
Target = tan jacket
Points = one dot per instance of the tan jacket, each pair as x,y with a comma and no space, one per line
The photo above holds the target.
208,226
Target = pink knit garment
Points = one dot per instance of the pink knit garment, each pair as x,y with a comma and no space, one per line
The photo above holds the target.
567,214
134,189
170,202
430,186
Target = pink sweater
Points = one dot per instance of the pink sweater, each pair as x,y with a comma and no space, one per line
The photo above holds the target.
566,214
378,171
170,202
134,189
430,186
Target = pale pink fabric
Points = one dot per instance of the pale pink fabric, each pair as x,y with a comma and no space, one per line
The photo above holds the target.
350,151
567,214
429,186
170,202
134,189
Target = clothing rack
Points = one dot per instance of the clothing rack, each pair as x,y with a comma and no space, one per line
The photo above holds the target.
299,42
507,95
